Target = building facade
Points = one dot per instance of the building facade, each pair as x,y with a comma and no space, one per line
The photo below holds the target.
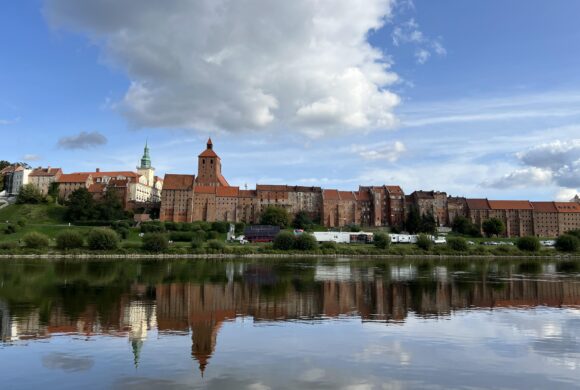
42,178
15,176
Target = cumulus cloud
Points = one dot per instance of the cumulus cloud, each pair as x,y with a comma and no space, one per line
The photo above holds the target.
522,178
83,140
251,64
385,151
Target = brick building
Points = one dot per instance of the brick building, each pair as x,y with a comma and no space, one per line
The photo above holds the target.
42,178
431,202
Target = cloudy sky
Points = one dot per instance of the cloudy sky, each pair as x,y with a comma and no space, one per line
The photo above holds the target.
478,98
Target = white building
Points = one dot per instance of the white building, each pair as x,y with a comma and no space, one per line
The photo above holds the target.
15,176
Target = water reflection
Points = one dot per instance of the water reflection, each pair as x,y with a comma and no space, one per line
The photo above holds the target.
39,300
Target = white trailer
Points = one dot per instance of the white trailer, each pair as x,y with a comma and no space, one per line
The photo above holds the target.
338,237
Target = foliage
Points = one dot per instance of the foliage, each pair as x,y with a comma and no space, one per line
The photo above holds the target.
283,241
3,164
103,239
10,229
528,244
155,242
69,239
53,191
197,242
110,207
302,220
428,224
567,243
212,235
457,244
220,227
493,227
305,242
575,233
35,240
424,242
29,194
381,240
329,245
353,228
80,206
152,227
199,235
21,222
276,216
463,225
216,245
240,226
181,236
413,221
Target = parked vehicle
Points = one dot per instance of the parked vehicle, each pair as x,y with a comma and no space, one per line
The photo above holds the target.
548,243
261,233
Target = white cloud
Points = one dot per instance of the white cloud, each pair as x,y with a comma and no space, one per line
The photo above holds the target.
409,32
422,55
385,151
252,64
566,194
31,157
82,140
522,178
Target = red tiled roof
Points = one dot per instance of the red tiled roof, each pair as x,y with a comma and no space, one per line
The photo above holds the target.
477,204
45,172
178,182
567,207
346,195
271,187
247,194
510,205
303,189
74,178
97,188
205,189
222,180
231,192
544,207
395,190
330,194
363,196
113,174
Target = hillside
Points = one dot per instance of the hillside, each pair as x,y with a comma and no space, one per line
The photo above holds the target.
37,214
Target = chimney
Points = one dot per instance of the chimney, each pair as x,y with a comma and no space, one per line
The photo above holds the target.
98,170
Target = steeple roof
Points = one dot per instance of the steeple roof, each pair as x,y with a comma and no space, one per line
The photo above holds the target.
209,151
146,159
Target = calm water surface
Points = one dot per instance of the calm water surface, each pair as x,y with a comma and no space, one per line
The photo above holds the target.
287,324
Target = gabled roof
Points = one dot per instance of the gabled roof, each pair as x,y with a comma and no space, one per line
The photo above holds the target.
247,194
205,189
544,207
303,189
395,190
231,192
363,196
208,153
222,180
271,187
114,174
478,204
178,182
567,207
510,205
346,195
330,194
74,178
97,188
45,172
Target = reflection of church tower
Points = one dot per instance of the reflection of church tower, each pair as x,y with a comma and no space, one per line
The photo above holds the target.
203,340
209,168
145,168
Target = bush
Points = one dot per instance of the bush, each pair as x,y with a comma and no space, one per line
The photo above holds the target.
240,226
424,242
216,245
567,243
457,244
199,235
575,233
197,243
10,245
220,227
103,239
152,227
29,194
35,240
329,246
305,242
181,236
275,216
381,240
528,244
21,223
155,242
69,240
493,227
123,233
171,226
212,235
10,229
284,241
302,220
353,228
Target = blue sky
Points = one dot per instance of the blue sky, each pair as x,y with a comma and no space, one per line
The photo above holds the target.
478,98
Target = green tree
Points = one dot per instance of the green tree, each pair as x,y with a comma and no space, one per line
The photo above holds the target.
305,242
461,225
35,240
53,190
567,243
457,244
283,241
276,216
69,240
381,240
424,242
302,220
155,242
80,206
493,227
528,244
103,239
428,223
216,245
413,221
110,207
29,194
3,164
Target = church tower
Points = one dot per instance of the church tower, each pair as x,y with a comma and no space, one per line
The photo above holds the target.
209,168
145,169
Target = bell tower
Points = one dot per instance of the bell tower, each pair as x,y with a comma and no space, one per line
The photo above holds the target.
209,168
145,168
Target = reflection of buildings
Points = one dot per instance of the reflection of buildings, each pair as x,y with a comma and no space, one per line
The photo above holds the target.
265,294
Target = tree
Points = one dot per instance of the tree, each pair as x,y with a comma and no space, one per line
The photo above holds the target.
80,206
3,164
567,243
155,242
528,244
461,225
53,190
69,240
302,220
276,216
428,223
424,242
305,242
110,208
457,244
283,241
493,227
35,240
103,239
413,222
29,194
381,240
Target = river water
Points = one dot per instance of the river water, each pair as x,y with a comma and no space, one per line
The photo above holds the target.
289,324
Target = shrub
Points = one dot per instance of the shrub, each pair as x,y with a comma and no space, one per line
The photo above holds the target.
8,245
155,242
284,241
240,226
103,239
493,227
212,235
181,236
35,240
424,242
275,216
10,229
353,228
21,223
220,227
30,194
575,233
216,245
528,244
69,240
152,227
329,245
197,243
123,232
457,244
171,226
567,243
199,235
305,242
381,240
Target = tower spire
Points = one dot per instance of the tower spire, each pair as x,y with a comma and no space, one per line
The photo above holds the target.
209,143
146,159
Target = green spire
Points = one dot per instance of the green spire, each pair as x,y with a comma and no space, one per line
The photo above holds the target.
145,160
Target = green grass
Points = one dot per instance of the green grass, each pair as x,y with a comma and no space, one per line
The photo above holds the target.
37,214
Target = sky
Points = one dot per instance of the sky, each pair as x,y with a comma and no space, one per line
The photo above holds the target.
478,98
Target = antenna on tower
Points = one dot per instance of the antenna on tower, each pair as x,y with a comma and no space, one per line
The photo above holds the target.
245,186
